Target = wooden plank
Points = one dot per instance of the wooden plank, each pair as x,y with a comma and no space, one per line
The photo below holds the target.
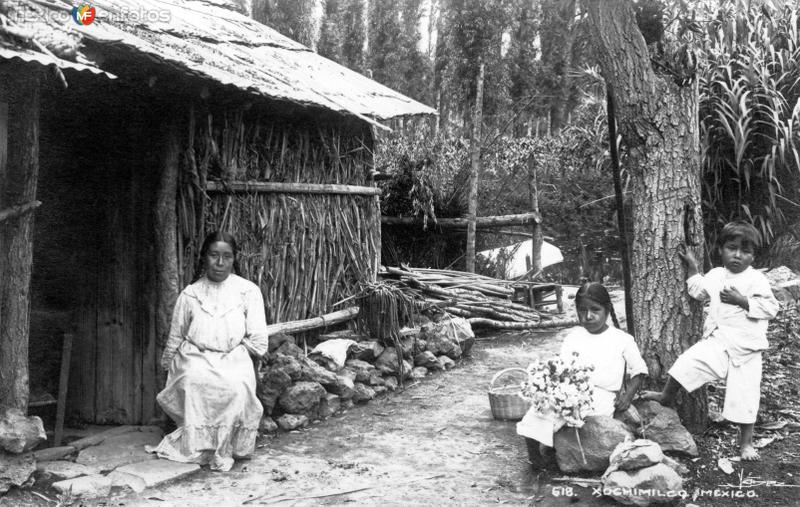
289,188
17,211
63,382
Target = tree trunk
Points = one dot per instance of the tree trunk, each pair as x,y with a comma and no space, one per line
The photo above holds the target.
475,164
658,121
18,181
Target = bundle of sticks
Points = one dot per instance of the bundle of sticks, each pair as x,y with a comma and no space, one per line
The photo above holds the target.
482,300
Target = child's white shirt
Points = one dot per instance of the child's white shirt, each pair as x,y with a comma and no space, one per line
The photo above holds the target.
610,352
741,331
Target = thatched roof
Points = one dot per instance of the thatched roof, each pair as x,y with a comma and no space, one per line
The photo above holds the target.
203,39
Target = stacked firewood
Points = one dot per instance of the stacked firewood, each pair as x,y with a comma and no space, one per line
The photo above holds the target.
482,300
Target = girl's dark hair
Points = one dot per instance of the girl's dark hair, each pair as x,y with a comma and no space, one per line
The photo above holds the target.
599,294
210,240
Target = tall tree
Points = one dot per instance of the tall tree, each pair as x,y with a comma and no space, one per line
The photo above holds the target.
657,116
393,53
558,36
472,31
343,34
296,19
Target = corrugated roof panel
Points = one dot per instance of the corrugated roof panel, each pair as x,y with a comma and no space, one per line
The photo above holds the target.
8,53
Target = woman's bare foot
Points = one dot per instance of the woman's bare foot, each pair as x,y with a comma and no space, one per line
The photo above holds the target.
749,453
652,395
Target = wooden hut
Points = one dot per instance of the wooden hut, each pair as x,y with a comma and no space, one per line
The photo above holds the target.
139,133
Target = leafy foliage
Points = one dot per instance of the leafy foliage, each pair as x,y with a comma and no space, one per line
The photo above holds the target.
749,114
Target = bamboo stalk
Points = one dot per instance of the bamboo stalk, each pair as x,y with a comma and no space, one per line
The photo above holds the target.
461,223
328,319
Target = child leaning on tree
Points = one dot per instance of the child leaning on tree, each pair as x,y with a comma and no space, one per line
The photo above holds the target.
741,305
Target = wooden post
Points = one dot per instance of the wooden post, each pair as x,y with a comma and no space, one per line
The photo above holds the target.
166,240
475,164
18,180
623,236
536,228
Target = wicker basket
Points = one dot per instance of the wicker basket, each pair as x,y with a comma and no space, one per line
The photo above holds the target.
504,398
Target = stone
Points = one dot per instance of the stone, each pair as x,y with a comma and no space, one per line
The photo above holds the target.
302,398
154,473
276,340
313,372
15,470
347,404
636,454
329,405
362,369
676,465
343,387
20,433
289,422
90,486
290,348
362,393
387,362
781,274
348,372
663,426
379,390
53,453
119,450
125,480
447,336
390,383
442,345
271,386
99,438
375,380
267,425
446,363
407,344
288,364
655,484
368,350
428,360
599,436
332,354
64,469
419,372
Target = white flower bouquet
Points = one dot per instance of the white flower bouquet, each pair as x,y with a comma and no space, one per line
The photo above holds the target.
560,388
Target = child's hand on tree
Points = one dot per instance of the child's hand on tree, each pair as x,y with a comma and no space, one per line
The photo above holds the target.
688,260
731,296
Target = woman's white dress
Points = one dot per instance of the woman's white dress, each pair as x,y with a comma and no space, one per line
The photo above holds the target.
211,386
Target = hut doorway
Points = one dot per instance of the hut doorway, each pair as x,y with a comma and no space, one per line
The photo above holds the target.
92,271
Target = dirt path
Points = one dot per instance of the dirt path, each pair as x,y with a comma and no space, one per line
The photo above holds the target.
435,443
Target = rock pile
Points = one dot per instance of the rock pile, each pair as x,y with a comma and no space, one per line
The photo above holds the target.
637,472
19,434
785,285
640,474
347,368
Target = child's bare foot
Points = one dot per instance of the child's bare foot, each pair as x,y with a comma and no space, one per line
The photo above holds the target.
652,396
749,453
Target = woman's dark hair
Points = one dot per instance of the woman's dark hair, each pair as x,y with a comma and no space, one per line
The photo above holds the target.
599,294
744,230
210,240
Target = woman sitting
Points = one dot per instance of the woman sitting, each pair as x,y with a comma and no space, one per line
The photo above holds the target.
210,392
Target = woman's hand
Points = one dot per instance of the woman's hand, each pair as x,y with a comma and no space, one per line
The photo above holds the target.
622,402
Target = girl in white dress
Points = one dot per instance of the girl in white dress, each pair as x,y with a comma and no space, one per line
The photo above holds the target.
218,322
